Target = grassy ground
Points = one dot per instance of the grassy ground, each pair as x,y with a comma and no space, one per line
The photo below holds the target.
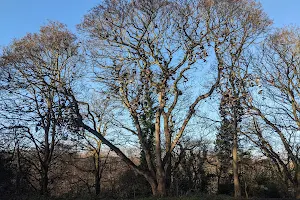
206,197
210,197
219,197
87,197
197,197
93,198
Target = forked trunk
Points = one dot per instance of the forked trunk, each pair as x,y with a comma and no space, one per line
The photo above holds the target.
158,187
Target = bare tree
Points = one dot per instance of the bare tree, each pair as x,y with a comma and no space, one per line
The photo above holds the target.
240,34
99,117
137,52
140,49
277,105
33,65
147,48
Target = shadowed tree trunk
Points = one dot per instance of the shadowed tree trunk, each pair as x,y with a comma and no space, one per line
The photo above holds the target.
97,183
237,187
44,182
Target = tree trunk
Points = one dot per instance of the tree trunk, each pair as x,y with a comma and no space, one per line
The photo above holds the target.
97,162
168,162
18,175
169,176
153,185
236,182
246,192
97,183
44,183
158,186
161,187
218,184
160,172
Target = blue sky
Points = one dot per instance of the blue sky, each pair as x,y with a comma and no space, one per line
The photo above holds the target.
18,17
283,12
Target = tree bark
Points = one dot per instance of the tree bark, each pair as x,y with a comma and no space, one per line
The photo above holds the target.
161,187
168,162
236,182
97,173
18,174
44,182
169,177
160,172
158,185
97,183
153,185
